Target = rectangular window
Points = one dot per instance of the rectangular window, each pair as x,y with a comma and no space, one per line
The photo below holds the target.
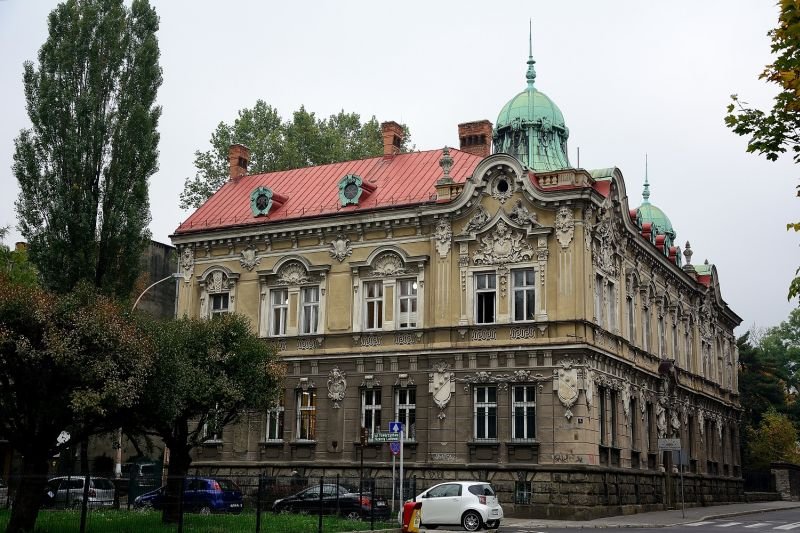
662,345
646,329
611,295
634,424
407,411
407,296
689,354
598,299
651,428
212,429
371,410
219,303
603,417
485,297
613,401
373,299
631,319
279,306
524,285
306,414
675,346
309,321
485,413
524,409
275,423
522,492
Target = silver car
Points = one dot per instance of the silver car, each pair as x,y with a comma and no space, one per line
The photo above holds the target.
67,491
472,504
4,501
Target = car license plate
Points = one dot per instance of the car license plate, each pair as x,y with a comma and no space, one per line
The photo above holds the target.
236,505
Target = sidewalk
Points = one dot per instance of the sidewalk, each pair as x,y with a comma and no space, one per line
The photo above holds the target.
656,518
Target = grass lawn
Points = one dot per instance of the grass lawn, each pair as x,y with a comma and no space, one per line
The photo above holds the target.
146,522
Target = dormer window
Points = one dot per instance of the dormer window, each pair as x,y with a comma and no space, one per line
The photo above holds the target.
261,201
352,188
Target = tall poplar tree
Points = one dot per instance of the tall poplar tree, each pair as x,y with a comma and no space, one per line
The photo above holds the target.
83,165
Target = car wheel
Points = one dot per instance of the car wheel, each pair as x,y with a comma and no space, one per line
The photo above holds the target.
353,515
471,521
206,510
144,507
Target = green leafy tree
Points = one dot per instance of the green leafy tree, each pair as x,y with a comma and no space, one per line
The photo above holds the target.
83,165
774,132
206,373
274,144
67,363
775,439
14,264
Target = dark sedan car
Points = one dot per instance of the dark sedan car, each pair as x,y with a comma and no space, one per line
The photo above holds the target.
203,495
336,499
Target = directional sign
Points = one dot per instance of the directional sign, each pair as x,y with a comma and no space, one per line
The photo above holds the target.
669,444
395,427
394,447
385,437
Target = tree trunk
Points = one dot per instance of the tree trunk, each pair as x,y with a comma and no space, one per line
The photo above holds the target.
28,498
179,461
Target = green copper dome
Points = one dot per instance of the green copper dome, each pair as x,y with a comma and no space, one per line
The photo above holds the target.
531,128
649,213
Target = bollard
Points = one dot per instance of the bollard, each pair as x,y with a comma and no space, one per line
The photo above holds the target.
412,516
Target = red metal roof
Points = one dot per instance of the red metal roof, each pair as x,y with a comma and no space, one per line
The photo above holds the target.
404,179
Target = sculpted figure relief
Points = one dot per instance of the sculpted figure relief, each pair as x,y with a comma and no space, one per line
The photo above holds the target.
337,386
502,246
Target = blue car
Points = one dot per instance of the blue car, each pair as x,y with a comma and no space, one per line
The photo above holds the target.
204,495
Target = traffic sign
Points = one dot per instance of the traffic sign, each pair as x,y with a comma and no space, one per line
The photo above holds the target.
394,447
385,437
395,427
669,444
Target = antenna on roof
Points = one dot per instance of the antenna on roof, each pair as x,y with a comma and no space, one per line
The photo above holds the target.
646,192
579,157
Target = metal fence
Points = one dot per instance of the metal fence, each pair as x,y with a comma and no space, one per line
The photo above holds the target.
758,481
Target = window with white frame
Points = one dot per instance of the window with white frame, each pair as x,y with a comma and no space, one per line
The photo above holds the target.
371,410
309,318
278,310
274,423
485,412
523,284
611,296
646,328
219,303
373,305
631,312
407,303
306,414
598,299
406,411
485,297
524,409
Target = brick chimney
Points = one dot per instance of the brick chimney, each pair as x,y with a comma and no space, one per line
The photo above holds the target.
392,138
238,157
475,137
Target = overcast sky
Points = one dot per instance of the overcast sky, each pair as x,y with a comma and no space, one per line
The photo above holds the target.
631,78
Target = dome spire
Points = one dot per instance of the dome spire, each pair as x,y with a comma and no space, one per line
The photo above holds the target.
646,192
531,74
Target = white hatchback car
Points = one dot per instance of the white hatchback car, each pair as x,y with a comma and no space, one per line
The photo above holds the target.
473,504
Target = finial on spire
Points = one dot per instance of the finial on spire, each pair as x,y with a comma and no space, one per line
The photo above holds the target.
531,74
646,192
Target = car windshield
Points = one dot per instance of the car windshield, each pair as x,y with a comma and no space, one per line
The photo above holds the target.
227,484
481,490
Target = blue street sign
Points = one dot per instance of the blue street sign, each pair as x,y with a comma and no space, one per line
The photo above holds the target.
394,447
395,427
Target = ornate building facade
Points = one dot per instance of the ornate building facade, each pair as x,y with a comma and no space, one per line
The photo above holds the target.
525,322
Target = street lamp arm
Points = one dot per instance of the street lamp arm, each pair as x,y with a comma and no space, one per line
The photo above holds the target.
171,276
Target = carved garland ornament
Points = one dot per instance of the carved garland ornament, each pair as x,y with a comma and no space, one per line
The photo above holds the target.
502,380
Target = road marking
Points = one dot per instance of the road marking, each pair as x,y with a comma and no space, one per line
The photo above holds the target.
759,524
786,527
728,524
693,524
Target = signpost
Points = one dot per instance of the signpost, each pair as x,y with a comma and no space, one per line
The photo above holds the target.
396,432
675,445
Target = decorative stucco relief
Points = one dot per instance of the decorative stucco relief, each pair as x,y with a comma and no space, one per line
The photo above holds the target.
567,386
249,258
337,386
443,235
293,273
387,265
340,248
218,282
478,220
565,226
502,380
502,246
187,263
441,384
521,216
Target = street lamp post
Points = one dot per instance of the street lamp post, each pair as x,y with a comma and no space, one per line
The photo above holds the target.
118,457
